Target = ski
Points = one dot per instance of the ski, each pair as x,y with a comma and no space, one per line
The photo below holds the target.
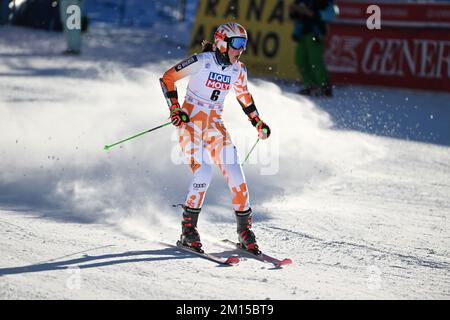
261,257
230,261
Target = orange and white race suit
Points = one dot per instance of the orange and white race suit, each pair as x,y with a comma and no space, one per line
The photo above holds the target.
205,140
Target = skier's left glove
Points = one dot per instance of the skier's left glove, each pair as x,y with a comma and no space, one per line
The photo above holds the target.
262,127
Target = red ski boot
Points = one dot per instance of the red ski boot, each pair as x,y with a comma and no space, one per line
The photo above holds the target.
190,236
246,236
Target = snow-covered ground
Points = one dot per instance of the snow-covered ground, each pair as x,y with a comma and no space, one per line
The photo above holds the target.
356,191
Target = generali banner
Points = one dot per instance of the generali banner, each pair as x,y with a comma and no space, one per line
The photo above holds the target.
411,50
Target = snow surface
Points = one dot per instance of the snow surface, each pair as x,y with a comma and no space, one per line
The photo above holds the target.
354,189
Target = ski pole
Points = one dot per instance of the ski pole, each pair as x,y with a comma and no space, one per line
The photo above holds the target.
135,136
248,155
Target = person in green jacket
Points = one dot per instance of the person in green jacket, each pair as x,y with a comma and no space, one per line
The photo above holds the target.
310,19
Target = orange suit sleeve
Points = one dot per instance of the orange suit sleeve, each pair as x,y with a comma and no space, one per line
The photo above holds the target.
182,69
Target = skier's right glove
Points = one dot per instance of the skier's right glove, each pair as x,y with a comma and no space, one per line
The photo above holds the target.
178,116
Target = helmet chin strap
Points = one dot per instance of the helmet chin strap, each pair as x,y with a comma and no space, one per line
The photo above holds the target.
223,59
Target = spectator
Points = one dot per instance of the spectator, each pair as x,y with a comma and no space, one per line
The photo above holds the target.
310,28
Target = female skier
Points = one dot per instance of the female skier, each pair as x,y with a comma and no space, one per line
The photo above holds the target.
202,134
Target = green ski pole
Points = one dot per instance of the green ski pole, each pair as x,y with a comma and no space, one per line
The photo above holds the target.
248,155
106,147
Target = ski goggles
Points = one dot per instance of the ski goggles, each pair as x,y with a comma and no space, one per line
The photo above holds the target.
238,43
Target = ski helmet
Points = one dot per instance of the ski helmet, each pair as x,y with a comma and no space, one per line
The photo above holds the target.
232,34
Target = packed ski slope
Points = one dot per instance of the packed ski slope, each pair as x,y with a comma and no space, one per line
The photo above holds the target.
362,215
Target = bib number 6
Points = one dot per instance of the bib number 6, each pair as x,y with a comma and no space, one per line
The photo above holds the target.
215,95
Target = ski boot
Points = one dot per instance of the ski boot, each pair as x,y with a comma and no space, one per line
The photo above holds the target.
246,237
190,236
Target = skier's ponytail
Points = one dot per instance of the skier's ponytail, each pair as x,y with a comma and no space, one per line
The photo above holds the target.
207,46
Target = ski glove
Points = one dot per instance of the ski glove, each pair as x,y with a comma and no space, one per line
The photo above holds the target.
262,127
263,131
178,116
